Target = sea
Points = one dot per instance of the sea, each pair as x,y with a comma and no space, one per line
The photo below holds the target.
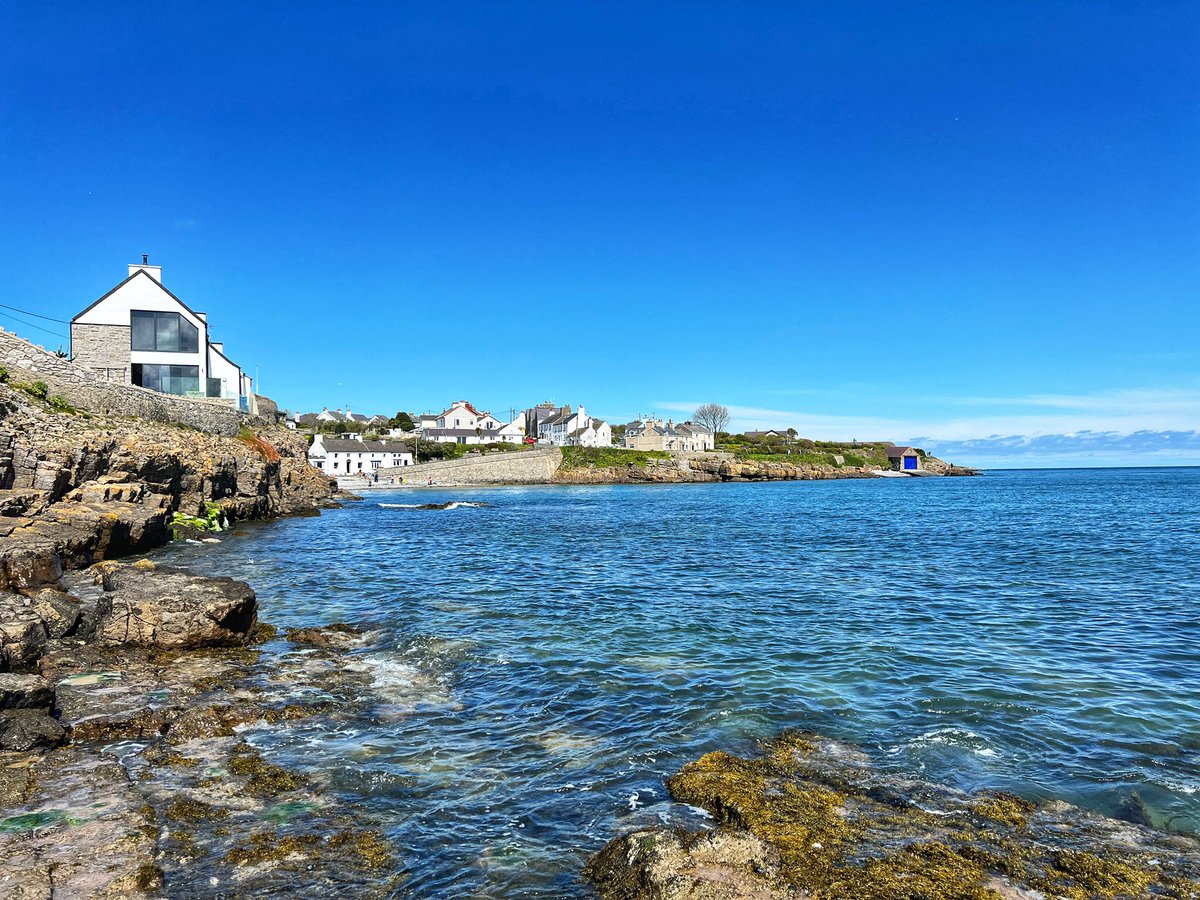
546,656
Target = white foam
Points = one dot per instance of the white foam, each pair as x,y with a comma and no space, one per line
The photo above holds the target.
955,737
453,504
403,685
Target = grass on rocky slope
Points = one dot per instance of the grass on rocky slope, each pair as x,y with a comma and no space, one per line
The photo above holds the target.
607,457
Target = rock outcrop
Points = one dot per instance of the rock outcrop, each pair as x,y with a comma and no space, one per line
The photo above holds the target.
172,609
76,488
26,714
810,817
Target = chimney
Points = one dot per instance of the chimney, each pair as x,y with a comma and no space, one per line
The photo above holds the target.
154,272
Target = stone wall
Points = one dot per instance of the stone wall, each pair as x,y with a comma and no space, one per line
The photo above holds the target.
103,350
87,390
512,467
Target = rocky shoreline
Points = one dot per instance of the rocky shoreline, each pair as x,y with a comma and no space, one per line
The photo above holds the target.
707,468
810,817
130,695
134,763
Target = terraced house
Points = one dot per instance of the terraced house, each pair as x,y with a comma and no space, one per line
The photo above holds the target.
141,333
655,434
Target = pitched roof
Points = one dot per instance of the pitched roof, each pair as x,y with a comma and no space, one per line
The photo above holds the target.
460,432
350,445
126,281
471,408
895,452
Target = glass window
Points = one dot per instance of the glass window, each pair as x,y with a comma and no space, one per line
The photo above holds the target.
142,325
167,379
164,332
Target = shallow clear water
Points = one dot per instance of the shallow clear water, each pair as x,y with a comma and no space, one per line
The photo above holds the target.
549,658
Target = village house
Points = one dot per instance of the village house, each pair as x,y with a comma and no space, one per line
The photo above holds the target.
140,333
351,455
904,459
655,434
461,423
564,428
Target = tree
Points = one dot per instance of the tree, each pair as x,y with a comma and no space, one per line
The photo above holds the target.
712,416
403,421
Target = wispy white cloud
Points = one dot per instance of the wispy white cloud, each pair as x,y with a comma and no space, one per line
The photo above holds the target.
1107,427
185,224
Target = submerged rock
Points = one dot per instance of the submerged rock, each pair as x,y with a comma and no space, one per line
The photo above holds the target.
173,609
811,818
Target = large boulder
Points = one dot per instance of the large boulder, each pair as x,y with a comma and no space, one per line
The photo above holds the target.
26,708
30,729
23,632
25,692
173,609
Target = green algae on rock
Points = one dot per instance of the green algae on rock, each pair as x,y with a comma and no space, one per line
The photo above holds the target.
812,819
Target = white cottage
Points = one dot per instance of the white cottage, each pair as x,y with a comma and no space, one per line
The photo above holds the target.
351,455
140,333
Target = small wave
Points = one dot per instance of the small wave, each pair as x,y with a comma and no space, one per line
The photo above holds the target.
955,737
405,687
453,504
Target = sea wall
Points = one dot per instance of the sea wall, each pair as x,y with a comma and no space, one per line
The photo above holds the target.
87,390
512,467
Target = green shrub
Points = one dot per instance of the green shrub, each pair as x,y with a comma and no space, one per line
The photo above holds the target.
39,389
59,403
3,375
605,457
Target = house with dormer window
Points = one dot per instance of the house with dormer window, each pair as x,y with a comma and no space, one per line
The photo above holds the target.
461,423
141,333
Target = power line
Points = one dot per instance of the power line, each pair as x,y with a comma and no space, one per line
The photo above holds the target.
35,315
57,334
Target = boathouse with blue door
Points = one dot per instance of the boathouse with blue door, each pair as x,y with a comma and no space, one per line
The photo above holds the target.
904,459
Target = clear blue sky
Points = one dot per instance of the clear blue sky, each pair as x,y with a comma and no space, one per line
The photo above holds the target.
947,221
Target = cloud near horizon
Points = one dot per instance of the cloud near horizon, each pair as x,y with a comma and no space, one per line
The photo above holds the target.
1126,427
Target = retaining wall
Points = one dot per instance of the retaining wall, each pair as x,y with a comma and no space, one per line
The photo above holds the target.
86,390
511,467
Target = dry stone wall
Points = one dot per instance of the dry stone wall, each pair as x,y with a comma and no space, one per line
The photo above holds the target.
87,390
513,467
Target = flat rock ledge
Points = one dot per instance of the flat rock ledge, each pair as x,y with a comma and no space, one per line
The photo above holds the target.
172,609
810,818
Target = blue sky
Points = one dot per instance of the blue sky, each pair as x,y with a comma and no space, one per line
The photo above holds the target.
970,224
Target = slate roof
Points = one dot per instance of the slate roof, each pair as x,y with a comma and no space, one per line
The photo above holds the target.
349,445
460,432
895,452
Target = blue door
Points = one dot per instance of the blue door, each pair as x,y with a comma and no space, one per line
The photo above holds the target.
910,462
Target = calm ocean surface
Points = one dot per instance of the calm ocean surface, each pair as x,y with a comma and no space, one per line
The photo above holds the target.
548,659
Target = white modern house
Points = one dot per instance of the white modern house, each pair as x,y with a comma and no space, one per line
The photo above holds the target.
351,455
461,423
574,429
140,333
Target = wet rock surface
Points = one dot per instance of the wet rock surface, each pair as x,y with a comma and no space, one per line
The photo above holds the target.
810,818
167,788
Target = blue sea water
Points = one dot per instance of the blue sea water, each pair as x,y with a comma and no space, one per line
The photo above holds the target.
549,658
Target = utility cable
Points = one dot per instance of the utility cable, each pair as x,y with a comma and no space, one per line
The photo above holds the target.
57,334
35,315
